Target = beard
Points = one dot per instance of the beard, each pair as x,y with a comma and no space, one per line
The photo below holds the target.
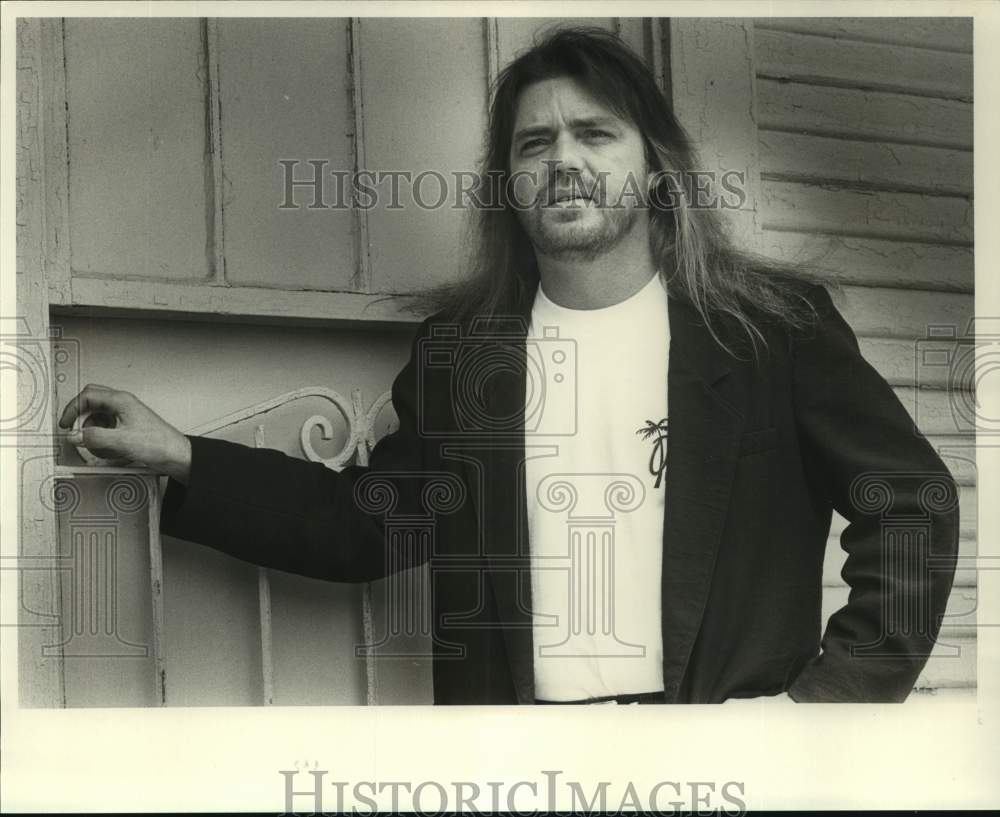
573,233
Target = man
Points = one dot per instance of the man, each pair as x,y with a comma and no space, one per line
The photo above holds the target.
630,436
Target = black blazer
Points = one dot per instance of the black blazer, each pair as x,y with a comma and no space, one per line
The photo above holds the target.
758,458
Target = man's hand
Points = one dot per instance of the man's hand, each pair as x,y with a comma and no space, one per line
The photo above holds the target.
121,427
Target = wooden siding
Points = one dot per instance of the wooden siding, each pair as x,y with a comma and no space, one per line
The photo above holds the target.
939,33
843,61
862,113
856,137
876,261
197,229
865,165
865,137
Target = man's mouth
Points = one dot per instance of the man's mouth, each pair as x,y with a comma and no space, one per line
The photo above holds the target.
565,199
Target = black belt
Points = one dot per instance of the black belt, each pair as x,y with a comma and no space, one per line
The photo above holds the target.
634,698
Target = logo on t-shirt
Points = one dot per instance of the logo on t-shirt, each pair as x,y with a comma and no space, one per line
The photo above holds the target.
658,458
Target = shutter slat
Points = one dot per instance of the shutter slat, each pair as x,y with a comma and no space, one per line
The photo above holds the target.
875,262
856,114
943,33
887,312
827,61
870,214
936,411
912,168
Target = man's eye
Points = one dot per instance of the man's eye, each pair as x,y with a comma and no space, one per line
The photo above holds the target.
594,133
531,144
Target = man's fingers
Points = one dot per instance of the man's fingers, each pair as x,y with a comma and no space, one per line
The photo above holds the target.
101,441
92,398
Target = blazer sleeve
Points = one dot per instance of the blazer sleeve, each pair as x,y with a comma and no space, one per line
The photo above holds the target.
881,474
277,511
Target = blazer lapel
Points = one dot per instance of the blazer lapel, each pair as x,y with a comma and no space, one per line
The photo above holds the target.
506,520
702,449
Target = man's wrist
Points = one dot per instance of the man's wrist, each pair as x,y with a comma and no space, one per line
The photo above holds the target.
178,465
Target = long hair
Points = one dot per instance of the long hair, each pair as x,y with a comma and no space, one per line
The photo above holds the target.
690,245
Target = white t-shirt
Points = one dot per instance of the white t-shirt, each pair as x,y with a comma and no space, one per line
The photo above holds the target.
595,493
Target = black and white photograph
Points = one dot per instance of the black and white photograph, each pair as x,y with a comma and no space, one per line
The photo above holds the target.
617,369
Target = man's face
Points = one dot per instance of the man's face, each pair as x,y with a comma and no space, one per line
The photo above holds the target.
579,171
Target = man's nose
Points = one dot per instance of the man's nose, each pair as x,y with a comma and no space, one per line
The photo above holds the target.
564,154
563,166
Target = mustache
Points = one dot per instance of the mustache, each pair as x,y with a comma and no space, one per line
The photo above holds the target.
575,188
